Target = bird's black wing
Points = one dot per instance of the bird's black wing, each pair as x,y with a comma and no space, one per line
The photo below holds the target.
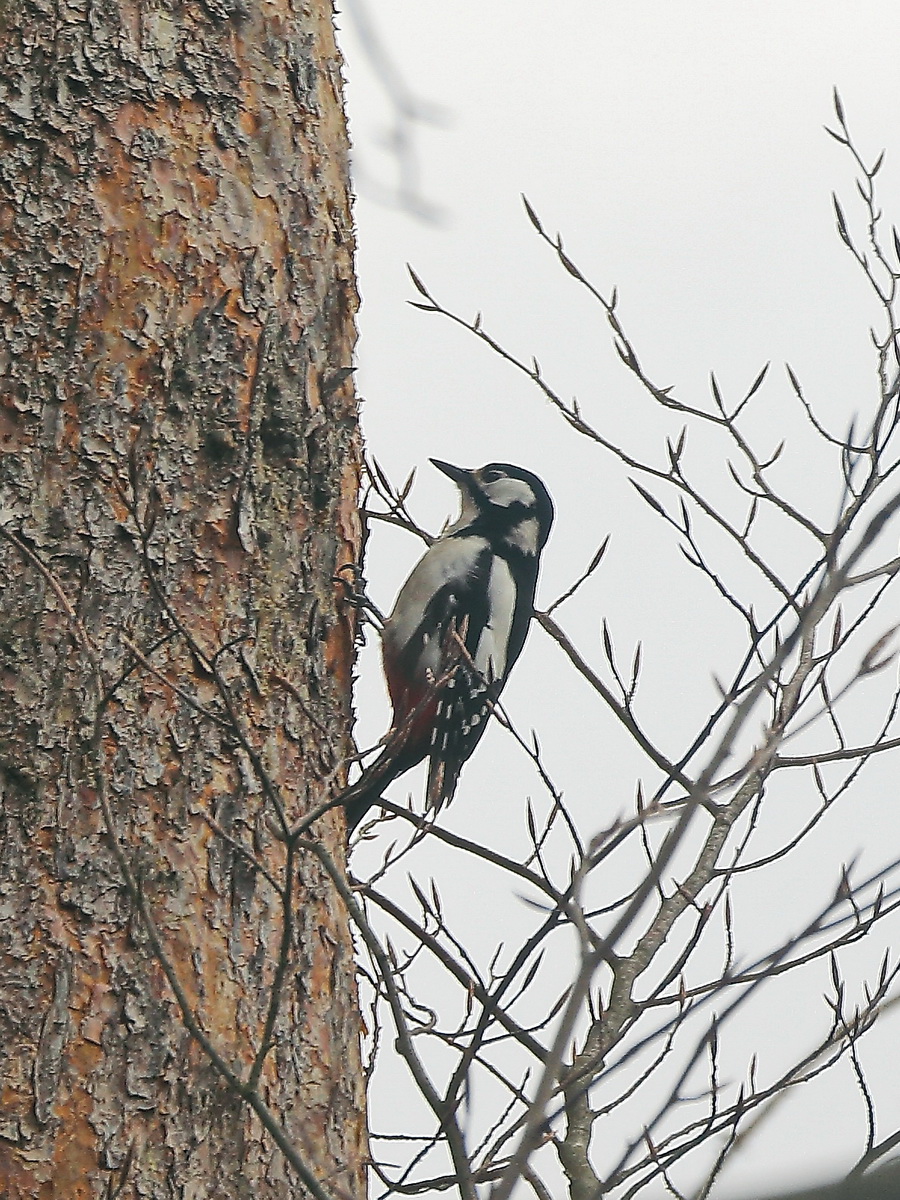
465,700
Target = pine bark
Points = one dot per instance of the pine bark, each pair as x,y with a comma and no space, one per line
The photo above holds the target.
179,461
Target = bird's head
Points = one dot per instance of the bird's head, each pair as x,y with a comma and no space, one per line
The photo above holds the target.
504,503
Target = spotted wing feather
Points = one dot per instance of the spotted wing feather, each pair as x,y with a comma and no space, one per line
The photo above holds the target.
463,707
480,655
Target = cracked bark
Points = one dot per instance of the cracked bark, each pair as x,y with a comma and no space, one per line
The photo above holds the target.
176,312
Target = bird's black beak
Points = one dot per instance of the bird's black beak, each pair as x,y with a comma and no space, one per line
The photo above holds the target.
459,475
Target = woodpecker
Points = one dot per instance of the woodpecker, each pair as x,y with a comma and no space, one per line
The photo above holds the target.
457,628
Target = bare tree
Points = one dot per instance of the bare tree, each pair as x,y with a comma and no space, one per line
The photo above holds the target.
632,1031
178,1011
179,486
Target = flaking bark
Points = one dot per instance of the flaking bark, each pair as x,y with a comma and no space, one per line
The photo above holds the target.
178,487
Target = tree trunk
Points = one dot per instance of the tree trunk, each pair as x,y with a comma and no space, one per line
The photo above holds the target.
177,489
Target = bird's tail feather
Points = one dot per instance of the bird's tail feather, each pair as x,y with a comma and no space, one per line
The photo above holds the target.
367,791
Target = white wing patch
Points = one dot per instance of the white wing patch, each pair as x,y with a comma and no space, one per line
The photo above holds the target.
449,560
490,653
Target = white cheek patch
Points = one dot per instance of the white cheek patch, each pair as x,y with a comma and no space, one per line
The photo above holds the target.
506,491
490,653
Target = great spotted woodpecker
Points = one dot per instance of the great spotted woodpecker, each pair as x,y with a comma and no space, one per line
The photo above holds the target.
457,628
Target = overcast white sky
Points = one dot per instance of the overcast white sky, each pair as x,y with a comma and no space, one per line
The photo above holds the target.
678,147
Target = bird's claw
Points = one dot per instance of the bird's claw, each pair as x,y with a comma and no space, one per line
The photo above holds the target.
350,578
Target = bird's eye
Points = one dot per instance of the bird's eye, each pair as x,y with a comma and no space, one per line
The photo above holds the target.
491,475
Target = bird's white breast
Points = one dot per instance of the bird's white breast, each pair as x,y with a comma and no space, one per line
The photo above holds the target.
490,653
